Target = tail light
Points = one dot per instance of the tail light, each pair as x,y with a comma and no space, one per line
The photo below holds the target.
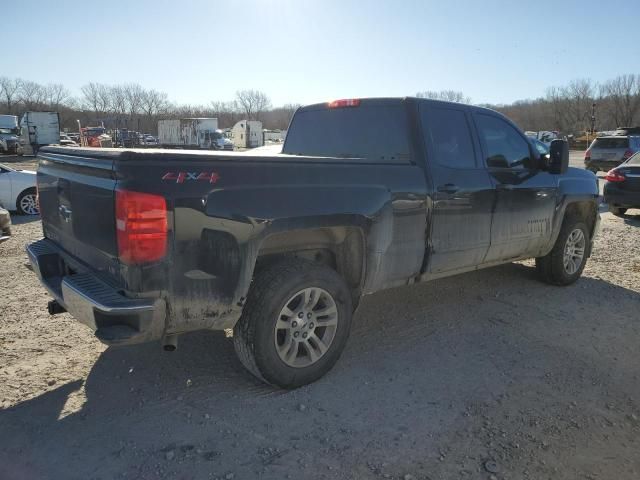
587,155
627,154
346,102
614,176
141,227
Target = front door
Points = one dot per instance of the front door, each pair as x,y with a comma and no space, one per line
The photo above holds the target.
526,196
463,194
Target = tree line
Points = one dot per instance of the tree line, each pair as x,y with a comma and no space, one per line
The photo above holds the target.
133,106
567,108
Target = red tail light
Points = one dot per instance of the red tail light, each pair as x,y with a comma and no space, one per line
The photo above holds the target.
346,102
614,176
141,227
627,154
587,154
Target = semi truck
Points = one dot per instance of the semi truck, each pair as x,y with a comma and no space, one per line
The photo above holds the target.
192,134
38,129
9,131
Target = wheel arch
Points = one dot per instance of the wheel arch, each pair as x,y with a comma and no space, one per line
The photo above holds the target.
341,248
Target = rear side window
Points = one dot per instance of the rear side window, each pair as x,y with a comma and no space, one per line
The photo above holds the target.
447,131
634,160
377,133
505,146
622,142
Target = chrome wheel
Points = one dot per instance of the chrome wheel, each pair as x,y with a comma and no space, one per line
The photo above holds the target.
306,327
574,251
29,204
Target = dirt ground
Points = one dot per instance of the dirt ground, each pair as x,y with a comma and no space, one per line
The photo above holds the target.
489,375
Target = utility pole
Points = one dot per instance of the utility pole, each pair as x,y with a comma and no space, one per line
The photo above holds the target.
593,118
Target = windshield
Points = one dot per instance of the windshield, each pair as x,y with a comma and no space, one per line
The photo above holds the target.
375,132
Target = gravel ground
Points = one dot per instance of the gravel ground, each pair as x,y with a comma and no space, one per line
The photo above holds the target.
488,375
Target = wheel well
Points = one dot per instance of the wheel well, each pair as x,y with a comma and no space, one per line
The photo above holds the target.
583,210
340,248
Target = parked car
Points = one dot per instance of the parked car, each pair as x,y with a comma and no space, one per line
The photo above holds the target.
5,225
66,141
608,152
18,190
277,249
150,140
622,187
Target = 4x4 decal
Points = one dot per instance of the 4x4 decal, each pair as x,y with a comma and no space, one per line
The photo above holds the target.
181,177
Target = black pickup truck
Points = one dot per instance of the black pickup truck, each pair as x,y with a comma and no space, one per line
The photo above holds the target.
276,249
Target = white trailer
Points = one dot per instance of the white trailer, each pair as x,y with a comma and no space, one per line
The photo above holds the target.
274,135
189,133
38,129
247,134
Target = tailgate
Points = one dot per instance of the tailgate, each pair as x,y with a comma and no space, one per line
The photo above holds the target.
77,205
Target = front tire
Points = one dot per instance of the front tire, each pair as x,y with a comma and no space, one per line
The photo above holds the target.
566,261
27,203
295,323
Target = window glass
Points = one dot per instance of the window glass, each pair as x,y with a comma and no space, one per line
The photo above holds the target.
448,132
609,142
505,146
378,133
634,160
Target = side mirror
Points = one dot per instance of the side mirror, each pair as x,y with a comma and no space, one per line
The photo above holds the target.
559,157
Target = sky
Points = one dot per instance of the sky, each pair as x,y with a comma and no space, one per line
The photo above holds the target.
298,51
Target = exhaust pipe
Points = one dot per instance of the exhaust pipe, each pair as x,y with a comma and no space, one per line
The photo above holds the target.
54,308
170,343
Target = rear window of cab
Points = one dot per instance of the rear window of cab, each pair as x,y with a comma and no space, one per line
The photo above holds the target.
378,133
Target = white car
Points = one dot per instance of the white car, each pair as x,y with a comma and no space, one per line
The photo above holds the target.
18,190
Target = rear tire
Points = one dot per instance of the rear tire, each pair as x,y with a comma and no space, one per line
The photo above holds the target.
27,203
566,261
617,211
263,332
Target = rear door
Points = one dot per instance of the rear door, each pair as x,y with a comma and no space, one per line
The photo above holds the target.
6,197
526,196
463,194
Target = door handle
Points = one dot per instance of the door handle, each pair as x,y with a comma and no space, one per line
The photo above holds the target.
448,188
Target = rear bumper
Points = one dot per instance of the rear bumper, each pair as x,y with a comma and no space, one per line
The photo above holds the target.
620,198
601,165
93,301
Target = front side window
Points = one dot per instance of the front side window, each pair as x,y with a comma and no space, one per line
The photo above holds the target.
505,146
448,132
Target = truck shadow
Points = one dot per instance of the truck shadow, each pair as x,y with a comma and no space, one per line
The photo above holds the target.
201,405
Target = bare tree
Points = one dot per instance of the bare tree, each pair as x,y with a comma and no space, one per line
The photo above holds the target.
32,95
446,95
133,93
56,95
621,98
253,103
579,96
9,89
154,102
